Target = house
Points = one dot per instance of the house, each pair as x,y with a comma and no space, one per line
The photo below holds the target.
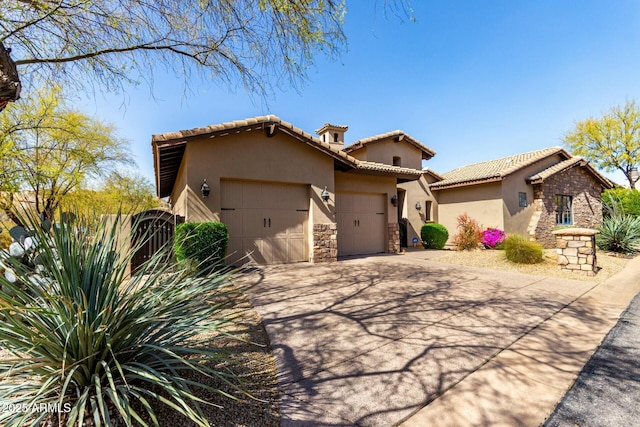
286,195
530,193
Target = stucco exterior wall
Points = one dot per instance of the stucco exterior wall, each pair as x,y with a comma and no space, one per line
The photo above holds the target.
586,207
418,191
385,151
482,202
252,156
179,195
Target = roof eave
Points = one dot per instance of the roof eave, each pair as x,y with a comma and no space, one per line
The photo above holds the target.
437,187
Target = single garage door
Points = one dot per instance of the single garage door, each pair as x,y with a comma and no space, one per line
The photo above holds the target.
267,222
361,223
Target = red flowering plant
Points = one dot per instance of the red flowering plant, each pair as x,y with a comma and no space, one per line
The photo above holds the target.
492,237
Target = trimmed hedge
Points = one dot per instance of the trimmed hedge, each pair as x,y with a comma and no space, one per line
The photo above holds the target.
434,236
205,243
521,250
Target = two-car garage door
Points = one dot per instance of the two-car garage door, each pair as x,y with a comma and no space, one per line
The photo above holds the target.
267,221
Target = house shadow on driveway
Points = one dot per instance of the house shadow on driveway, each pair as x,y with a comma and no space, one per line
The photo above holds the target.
371,341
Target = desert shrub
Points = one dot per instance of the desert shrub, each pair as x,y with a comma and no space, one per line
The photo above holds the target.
492,237
521,250
469,233
620,233
105,348
622,200
434,236
204,243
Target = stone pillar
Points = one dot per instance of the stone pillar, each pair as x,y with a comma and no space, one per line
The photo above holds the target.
325,242
393,246
576,249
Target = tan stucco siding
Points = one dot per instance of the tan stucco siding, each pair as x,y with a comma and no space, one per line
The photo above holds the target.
179,194
517,218
385,151
417,191
254,157
482,202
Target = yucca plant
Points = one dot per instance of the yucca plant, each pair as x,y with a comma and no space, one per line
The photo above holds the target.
620,233
83,344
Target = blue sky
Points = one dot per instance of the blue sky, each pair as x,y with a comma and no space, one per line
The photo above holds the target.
473,80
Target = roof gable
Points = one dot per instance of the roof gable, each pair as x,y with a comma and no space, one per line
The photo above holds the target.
495,170
396,135
168,149
568,164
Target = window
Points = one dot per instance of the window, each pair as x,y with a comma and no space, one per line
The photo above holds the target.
563,209
427,210
397,161
335,137
522,200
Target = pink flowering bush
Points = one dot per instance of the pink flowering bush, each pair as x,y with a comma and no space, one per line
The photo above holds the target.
491,237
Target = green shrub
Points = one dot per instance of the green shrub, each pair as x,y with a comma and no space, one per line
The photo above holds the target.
620,233
434,236
621,200
204,243
521,250
106,348
469,233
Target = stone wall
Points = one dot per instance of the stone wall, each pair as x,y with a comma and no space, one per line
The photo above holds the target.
393,246
587,202
325,242
577,250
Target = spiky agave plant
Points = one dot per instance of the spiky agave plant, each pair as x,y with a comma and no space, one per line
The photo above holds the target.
94,346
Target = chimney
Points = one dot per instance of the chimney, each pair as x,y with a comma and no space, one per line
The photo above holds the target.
332,135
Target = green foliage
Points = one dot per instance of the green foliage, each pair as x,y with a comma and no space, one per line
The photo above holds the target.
51,149
434,236
204,243
108,348
620,233
611,142
624,199
521,250
469,233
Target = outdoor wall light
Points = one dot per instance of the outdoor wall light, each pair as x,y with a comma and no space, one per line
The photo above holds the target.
394,200
418,206
205,190
634,175
325,194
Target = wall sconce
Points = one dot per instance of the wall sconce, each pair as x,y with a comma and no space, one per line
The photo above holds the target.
418,206
325,194
394,200
205,190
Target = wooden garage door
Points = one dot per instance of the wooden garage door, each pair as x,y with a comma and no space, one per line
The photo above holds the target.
361,223
267,222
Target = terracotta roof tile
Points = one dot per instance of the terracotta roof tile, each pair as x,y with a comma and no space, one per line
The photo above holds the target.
383,167
567,164
427,152
495,170
327,126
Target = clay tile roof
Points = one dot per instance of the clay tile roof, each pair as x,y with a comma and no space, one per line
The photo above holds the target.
383,167
327,126
494,170
427,152
567,164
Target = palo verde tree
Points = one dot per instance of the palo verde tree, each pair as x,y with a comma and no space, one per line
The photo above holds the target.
49,149
112,42
611,142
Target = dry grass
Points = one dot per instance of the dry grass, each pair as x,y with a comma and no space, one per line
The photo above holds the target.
608,264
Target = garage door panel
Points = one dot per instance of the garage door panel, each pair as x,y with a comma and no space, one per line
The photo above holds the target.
361,222
268,221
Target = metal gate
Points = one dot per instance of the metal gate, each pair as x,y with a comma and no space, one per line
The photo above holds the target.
152,231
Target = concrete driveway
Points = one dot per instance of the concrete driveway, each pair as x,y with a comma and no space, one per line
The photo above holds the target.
390,340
